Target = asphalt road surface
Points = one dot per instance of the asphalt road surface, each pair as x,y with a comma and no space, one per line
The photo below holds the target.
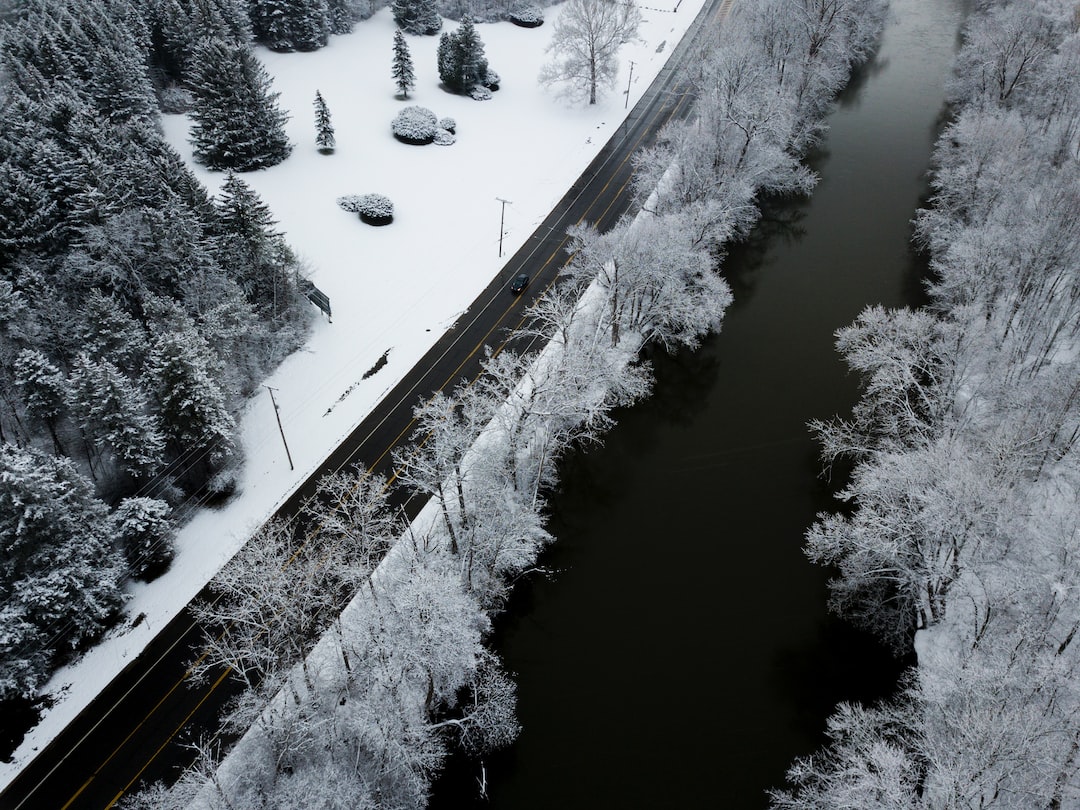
136,729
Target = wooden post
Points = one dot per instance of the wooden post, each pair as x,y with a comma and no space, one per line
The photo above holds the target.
280,428
502,219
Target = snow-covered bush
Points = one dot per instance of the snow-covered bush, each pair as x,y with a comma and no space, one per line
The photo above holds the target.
374,209
144,532
527,15
445,137
415,125
221,485
491,80
449,124
480,93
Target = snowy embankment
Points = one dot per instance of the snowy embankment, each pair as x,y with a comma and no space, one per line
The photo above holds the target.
393,290
328,729
967,439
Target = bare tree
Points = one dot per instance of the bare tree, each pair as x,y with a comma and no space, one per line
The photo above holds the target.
585,43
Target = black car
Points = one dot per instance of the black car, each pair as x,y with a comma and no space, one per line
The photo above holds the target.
520,282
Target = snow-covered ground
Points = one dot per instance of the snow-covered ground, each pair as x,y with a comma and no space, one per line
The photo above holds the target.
396,288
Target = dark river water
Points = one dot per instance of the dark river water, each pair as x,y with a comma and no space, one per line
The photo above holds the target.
681,653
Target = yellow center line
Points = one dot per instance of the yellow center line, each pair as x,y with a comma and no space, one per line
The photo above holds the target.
660,112
161,747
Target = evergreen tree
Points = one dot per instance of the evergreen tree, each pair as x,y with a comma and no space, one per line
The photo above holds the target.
191,403
343,13
237,122
324,130
310,25
59,574
28,213
404,77
144,532
253,254
417,16
44,390
462,64
108,332
120,86
177,26
287,25
112,413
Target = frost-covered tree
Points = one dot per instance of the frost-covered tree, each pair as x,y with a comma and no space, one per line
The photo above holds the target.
178,26
461,60
874,759
656,276
253,254
324,129
143,529
434,462
59,572
191,405
287,25
265,602
237,123
402,69
108,332
343,14
113,415
417,16
44,390
28,213
585,44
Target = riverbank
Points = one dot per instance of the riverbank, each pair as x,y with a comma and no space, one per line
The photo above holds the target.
679,587
965,526
523,464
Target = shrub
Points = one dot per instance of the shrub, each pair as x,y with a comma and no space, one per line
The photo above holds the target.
374,209
491,80
527,15
415,125
480,93
449,124
221,486
445,137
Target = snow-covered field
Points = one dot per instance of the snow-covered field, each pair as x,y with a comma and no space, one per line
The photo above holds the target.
395,288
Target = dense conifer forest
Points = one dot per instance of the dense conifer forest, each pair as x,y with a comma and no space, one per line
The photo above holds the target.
136,312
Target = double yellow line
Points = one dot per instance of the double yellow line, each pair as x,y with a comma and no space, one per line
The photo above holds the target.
665,112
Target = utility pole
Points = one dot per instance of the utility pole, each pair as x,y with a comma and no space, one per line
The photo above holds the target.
279,427
502,219
628,81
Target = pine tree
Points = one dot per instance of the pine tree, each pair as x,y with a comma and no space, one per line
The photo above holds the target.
417,16
144,532
120,86
112,413
44,390
29,216
191,403
237,122
404,77
324,130
59,574
461,60
179,25
343,13
287,25
252,253
310,29
107,331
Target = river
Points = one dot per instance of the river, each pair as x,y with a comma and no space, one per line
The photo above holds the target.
681,654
